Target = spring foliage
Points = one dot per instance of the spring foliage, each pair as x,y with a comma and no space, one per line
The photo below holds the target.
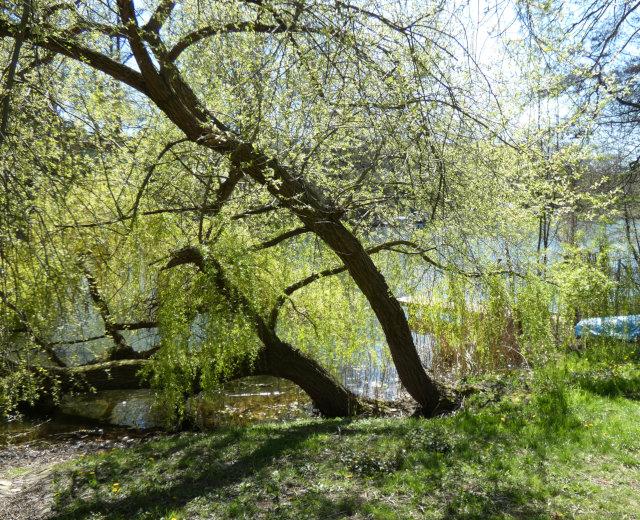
388,112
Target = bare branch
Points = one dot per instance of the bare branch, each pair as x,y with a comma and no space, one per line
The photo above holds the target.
186,255
256,211
67,47
281,238
144,61
387,246
237,27
136,326
160,16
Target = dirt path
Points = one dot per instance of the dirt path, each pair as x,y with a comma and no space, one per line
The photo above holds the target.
28,495
25,478
27,470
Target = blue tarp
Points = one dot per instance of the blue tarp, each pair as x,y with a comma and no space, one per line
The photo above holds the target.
620,327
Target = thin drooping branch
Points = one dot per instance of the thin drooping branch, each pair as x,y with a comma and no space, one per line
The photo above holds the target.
278,357
417,250
288,291
147,178
212,209
377,16
121,350
41,342
387,246
281,27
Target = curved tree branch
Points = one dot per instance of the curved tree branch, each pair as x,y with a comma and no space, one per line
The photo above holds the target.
67,47
237,27
281,238
19,39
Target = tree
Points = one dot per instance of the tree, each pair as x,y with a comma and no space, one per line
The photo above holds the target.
335,116
589,51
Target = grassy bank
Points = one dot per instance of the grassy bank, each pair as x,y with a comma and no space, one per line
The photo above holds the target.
562,442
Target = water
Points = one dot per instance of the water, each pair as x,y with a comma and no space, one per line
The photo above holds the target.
29,430
380,380
251,400
241,402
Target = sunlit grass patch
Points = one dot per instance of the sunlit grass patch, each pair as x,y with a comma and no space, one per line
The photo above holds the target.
536,445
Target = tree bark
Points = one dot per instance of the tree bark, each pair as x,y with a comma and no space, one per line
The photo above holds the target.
388,311
277,358
166,88
280,360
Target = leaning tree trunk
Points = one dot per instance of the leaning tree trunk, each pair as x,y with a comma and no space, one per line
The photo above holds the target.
320,217
332,399
279,359
388,311
165,87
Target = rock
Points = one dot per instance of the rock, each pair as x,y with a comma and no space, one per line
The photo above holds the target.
91,407
139,410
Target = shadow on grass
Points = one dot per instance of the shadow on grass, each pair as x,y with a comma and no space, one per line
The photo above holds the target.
207,467
609,384
208,473
496,504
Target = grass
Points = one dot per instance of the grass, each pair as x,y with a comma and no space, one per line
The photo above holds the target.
561,442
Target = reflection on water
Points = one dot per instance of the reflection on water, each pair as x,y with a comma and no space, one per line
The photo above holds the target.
249,400
241,402
380,380
61,429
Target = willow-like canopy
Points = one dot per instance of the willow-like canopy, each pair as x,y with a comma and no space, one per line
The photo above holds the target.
314,118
